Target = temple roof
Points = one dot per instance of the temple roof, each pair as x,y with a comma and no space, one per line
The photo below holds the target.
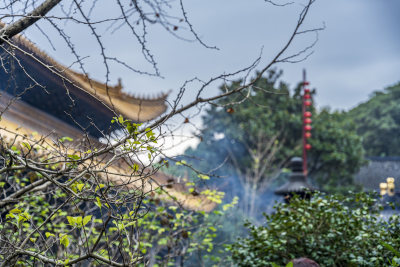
376,172
18,116
41,98
83,103
139,109
20,121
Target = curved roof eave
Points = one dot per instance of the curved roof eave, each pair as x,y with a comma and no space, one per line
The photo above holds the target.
139,109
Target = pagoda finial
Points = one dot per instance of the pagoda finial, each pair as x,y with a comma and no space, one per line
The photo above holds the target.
118,87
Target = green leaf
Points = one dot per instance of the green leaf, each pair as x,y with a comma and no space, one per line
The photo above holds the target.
73,156
121,119
65,138
204,177
87,219
80,186
48,234
389,247
131,130
162,241
78,221
135,167
98,202
64,240
15,211
23,217
71,220
99,187
27,145
182,162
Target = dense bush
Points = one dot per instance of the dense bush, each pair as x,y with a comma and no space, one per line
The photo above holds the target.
332,230
79,218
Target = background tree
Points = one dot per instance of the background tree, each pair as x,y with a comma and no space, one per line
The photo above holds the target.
377,121
337,152
254,140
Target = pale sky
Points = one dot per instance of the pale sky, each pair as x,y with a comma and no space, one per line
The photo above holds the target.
357,53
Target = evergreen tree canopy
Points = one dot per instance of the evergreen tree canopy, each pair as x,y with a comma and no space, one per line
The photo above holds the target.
378,122
337,152
255,139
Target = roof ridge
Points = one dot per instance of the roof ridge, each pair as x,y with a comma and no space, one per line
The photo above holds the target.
115,90
142,108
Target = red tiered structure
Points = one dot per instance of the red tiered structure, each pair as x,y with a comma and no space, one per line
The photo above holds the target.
306,121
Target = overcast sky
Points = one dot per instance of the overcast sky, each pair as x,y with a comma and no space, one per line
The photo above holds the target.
357,53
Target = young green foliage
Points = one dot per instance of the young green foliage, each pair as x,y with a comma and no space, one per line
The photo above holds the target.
333,230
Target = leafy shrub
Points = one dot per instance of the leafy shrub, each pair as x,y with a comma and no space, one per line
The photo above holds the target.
332,230
72,216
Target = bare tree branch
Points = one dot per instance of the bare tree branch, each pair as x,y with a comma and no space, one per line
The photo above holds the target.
17,27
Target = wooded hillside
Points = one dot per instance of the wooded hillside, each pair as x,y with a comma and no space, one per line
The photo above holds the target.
378,122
